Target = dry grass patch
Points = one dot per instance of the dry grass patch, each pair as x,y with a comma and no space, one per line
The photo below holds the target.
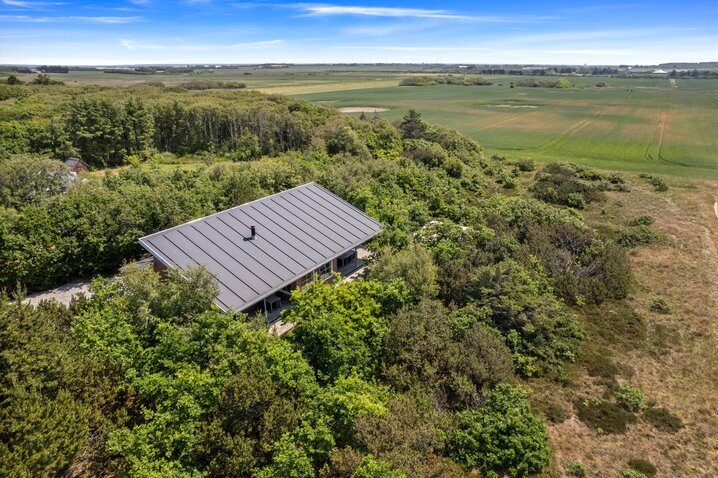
672,358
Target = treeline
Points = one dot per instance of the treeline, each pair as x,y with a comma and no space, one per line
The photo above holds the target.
53,69
445,80
550,71
212,85
41,79
414,371
533,83
106,128
150,70
693,74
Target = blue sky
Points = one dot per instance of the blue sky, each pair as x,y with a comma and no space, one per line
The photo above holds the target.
219,31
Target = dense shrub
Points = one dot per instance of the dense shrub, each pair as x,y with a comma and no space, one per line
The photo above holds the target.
534,83
212,85
336,331
576,470
559,184
584,268
445,80
28,180
605,417
524,164
503,435
629,397
419,81
41,435
519,302
636,236
556,413
659,184
631,473
370,467
659,305
663,420
95,227
642,221
458,364
643,466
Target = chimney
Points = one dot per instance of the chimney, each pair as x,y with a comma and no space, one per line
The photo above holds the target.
253,231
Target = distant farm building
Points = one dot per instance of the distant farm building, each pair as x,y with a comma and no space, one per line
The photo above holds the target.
262,250
77,165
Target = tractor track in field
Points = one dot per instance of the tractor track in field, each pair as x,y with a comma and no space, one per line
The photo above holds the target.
658,132
575,128
506,121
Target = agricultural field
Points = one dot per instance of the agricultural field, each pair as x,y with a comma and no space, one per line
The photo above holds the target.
640,125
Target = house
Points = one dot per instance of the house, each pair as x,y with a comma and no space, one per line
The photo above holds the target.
77,165
261,251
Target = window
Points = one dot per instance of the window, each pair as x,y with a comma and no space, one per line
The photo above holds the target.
346,259
325,271
303,282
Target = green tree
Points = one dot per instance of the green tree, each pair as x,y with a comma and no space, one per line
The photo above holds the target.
41,436
289,461
370,467
96,129
340,327
520,303
139,127
415,266
502,436
426,348
412,126
28,180
338,406
13,80
406,437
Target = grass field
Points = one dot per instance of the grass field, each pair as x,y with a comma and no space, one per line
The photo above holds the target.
640,125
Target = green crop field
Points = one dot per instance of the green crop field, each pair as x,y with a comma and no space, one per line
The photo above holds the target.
651,125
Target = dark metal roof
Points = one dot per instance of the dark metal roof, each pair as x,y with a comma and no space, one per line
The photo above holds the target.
297,231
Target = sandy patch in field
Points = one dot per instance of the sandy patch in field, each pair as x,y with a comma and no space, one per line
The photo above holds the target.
513,106
361,109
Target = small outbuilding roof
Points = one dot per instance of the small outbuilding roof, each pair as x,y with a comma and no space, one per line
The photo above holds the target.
296,231
73,162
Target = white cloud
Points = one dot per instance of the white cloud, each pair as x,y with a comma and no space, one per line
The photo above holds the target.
24,4
329,10
325,10
133,45
411,48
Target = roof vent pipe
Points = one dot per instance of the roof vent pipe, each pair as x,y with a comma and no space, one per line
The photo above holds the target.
253,231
